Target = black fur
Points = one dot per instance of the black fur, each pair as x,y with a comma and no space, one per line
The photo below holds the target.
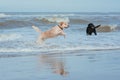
91,29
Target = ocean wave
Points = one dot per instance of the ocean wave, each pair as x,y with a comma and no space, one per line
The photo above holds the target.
28,15
2,15
107,28
81,48
57,19
54,19
56,15
14,23
10,53
18,50
7,37
78,21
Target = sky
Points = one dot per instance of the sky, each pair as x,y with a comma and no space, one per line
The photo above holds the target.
59,5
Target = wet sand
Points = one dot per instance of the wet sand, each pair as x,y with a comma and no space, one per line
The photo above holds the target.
75,65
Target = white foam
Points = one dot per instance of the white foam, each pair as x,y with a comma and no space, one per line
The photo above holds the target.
17,50
12,36
93,48
38,15
2,15
107,28
84,48
55,19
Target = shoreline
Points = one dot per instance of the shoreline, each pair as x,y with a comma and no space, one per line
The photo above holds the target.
85,65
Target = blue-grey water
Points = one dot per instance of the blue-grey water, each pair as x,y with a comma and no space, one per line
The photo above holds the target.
77,56
17,35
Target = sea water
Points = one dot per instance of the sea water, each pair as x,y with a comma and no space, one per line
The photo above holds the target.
17,35
77,56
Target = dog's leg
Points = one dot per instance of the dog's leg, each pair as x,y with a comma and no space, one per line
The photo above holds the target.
62,33
40,40
95,32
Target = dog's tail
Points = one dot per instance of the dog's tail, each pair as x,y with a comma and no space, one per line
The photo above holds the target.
97,26
36,29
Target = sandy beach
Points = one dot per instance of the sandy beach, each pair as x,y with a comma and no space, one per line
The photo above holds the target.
82,65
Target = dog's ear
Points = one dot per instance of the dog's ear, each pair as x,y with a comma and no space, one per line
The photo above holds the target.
61,23
91,25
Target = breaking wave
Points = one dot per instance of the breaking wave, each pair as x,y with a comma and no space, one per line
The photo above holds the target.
9,53
59,49
30,21
14,23
79,21
55,19
24,19
2,15
107,28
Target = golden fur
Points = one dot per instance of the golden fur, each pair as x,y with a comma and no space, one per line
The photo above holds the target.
54,32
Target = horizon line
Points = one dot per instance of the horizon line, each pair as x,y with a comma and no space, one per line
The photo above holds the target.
58,12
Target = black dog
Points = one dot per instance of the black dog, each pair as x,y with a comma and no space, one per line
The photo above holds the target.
91,29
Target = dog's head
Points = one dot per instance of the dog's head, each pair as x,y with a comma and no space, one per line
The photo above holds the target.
91,25
63,24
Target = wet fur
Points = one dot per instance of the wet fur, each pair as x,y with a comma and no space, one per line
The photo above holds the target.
53,32
91,29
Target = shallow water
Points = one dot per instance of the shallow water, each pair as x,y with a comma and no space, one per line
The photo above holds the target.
23,40
84,65
17,35
78,56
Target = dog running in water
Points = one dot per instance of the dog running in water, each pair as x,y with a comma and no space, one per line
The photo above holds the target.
53,32
91,29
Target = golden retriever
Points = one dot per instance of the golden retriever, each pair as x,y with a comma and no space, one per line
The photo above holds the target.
54,32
